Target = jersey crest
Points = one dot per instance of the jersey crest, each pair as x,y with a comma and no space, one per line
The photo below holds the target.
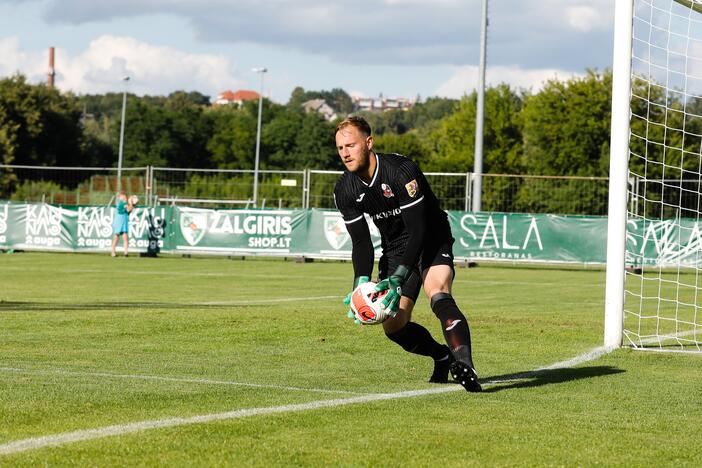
411,187
387,191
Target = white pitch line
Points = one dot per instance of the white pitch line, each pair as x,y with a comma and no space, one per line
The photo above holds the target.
34,443
586,357
170,379
121,429
267,301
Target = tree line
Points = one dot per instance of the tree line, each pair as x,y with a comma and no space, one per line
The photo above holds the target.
563,129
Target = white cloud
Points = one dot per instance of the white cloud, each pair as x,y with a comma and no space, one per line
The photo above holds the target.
568,34
14,60
421,2
465,79
107,59
529,39
585,18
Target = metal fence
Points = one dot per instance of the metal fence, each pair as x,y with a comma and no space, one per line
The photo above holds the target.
69,185
211,188
208,188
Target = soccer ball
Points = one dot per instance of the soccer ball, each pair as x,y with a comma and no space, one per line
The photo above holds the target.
365,304
134,199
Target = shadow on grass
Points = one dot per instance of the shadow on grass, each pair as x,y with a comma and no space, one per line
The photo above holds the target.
27,306
545,377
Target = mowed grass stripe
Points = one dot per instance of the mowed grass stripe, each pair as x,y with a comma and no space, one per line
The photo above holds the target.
633,409
109,375
55,440
14,306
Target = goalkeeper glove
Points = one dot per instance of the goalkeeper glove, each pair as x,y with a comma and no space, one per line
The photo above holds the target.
347,300
394,285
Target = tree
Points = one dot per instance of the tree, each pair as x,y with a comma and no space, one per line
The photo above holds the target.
454,139
408,144
279,138
315,144
173,135
147,139
179,100
337,99
432,111
566,127
97,145
99,105
40,126
232,143
566,133
297,98
296,140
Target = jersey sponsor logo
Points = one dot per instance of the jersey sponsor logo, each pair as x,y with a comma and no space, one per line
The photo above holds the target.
387,214
360,197
411,187
387,191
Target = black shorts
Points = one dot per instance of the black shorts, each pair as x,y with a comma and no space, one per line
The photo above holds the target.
438,253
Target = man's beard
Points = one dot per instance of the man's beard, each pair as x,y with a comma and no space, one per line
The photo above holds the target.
363,166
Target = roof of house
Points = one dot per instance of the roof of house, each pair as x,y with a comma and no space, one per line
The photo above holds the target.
245,95
241,95
313,104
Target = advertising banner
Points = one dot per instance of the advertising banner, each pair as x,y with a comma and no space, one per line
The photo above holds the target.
665,243
322,234
93,228
10,234
271,232
328,236
77,228
527,237
36,227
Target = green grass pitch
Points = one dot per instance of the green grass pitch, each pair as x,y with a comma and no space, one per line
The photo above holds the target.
89,342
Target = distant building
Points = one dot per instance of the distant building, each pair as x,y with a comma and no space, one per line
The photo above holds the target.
320,106
236,98
381,104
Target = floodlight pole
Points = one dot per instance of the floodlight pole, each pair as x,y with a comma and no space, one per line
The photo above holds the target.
480,116
121,136
261,71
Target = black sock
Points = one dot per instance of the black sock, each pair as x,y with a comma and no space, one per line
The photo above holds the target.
416,339
454,325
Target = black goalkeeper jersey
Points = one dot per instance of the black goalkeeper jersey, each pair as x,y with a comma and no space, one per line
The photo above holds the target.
397,186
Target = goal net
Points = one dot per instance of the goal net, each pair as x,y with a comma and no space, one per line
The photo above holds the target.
662,292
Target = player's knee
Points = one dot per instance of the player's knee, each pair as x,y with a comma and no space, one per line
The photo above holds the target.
442,301
445,308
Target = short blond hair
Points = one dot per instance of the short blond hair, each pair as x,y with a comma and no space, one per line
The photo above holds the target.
357,122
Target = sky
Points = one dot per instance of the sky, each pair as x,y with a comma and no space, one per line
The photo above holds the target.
397,48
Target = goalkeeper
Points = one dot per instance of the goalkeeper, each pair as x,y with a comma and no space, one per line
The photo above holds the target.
416,243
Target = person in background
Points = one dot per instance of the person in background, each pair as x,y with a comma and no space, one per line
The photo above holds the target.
120,222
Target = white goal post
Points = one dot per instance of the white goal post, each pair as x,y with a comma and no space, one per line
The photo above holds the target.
653,296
